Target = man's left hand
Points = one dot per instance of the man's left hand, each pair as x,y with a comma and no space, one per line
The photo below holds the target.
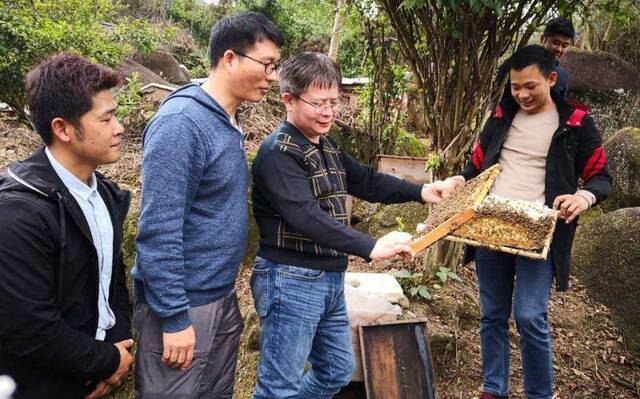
434,192
439,190
100,390
570,206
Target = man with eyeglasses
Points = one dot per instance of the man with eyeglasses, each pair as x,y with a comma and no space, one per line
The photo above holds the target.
193,222
301,181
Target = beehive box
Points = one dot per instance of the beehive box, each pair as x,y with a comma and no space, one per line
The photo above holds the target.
468,215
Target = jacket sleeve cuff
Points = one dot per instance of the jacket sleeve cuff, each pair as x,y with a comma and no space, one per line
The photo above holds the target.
367,247
413,191
113,363
588,195
469,172
177,322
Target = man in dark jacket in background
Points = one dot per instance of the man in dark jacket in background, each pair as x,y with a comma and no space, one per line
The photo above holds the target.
64,306
544,146
557,37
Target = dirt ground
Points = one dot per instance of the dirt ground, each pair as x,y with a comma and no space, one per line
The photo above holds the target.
590,356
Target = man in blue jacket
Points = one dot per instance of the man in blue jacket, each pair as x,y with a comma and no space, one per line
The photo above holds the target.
193,222
64,306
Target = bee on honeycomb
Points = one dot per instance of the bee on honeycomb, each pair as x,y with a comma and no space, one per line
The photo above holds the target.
512,223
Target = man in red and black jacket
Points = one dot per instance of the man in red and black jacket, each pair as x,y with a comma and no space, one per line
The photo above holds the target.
546,147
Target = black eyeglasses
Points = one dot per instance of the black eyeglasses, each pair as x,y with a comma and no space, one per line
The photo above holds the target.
269,68
336,108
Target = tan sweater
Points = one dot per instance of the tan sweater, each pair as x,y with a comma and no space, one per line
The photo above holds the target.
524,155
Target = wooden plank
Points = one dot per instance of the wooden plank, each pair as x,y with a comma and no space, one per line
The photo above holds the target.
397,361
442,230
492,173
407,168
509,250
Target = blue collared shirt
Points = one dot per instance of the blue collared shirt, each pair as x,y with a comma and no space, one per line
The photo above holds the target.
99,220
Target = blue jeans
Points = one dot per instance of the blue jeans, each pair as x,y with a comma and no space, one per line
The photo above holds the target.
505,279
303,316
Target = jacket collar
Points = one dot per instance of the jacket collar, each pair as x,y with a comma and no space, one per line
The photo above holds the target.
36,174
297,137
571,113
33,174
71,182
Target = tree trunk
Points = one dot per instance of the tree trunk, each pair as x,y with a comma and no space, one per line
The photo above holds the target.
606,38
338,21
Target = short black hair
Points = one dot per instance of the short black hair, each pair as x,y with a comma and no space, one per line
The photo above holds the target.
559,26
63,86
306,69
533,55
240,31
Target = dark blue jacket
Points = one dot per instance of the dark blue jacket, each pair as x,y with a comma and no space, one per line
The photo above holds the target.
299,200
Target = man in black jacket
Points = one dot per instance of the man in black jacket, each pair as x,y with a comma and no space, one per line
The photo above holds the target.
545,147
64,306
301,181
557,37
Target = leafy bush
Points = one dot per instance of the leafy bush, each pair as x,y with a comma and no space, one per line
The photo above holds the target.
196,17
132,112
30,30
300,21
138,35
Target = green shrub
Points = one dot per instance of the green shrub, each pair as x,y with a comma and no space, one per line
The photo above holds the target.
30,30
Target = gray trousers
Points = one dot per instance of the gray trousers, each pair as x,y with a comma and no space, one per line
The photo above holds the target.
218,326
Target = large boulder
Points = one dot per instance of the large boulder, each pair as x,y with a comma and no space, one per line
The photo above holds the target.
163,64
623,154
609,85
128,67
606,258
599,71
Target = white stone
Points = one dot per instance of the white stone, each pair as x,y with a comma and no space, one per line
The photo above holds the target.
381,285
364,308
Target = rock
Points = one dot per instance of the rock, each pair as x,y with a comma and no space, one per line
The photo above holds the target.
145,75
163,64
386,219
593,213
612,272
611,110
379,285
609,86
362,211
599,71
623,154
